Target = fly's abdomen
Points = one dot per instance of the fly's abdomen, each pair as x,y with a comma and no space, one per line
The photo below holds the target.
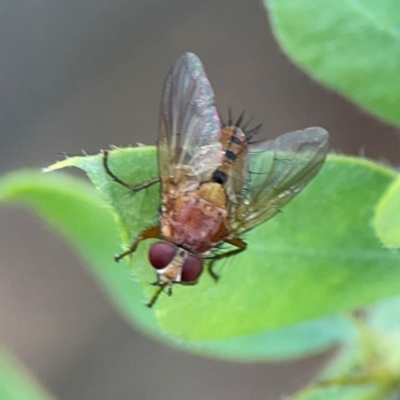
234,145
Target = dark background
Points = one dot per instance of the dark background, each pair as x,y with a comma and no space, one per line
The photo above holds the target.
85,74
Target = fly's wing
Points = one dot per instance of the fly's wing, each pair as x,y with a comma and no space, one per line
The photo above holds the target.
278,170
188,138
235,183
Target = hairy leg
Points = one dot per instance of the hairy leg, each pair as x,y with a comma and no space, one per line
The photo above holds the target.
240,246
132,188
150,233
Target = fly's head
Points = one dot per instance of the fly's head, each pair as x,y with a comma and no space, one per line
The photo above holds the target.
174,264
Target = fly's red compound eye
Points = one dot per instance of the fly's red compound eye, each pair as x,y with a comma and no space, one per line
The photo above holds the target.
192,269
161,254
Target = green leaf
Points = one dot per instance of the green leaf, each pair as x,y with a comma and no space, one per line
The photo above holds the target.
75,209
278,344
384,317
351,46
320,257
387,217
351,391
16,383
368,366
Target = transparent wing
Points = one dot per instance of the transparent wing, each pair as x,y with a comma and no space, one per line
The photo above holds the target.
188,139
236,183
278,170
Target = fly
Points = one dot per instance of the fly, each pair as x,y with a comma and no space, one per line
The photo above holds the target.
215,183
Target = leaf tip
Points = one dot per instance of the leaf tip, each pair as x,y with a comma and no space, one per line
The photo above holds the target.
68,162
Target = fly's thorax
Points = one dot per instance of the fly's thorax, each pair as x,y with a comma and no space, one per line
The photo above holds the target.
195,223
174,264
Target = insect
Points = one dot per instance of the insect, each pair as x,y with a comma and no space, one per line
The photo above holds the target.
215,183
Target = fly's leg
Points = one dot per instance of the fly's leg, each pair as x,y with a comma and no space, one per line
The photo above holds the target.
132,188
167,288
150,233
237,242
156,294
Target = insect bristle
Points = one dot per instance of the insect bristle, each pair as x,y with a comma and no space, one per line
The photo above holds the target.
252,132
240,119
243,126
229,116
222,123
67,155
